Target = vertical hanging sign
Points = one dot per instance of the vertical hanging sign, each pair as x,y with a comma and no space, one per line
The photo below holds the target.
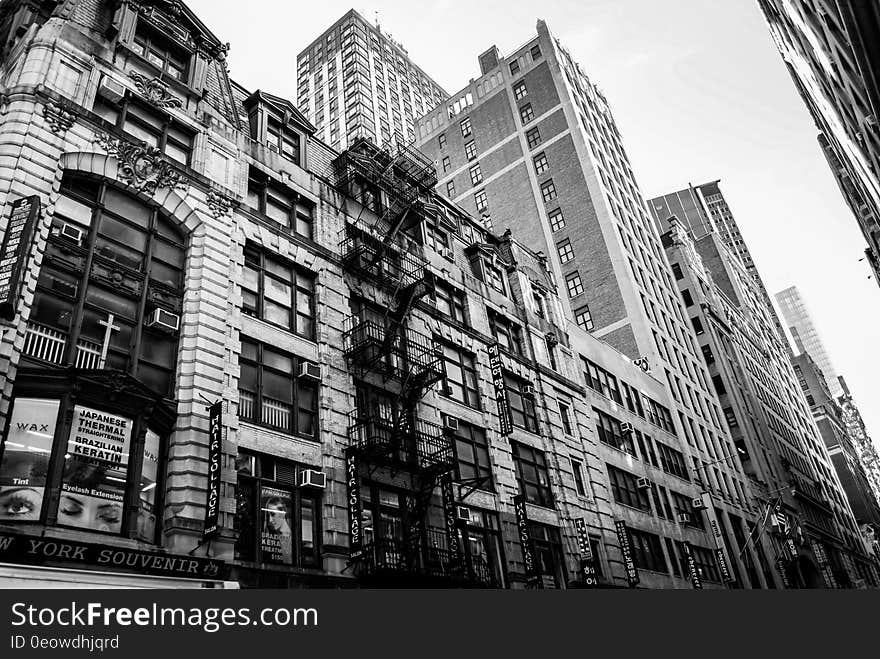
692,566
455,556
720,549
588,560
533,571
629,565
215,452
14,252
353,486
501,400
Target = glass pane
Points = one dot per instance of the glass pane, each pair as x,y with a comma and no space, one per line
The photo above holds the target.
74,210
159,349
276,535
165,274
277,212
278,387
277,291
279,270
146,521
307,529
142,133
123,233
127,207
111,301
277,360
115,252
275,313
177,153
170,254
251,279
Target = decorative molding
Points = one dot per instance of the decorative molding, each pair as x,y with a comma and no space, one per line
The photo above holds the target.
219,204
155,90
141,166
59,119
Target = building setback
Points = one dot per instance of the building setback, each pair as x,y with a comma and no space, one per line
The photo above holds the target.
830,50
356,81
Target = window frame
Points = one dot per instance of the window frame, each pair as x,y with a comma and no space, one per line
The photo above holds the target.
536,459
299,274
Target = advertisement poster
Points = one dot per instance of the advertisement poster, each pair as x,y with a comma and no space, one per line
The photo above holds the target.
146,522
276,534
25,463
95,471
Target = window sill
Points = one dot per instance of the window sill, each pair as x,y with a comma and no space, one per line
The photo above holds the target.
280,328
279,431
628,507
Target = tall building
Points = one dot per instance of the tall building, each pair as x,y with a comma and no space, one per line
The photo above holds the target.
531,146
858,434
356,81
830,49
805,335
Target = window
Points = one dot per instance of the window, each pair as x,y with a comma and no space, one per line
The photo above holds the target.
160,51
705,563
624,488
101,318
271,394
598,379
533,137
672,461
283,140
493,275
686,296
278,292
476,174
526,114
519,90
514,67
676,270
466,128
719,385
507,333
522,403
548,554
532,474
698,325
470,150
445,164
557,221
610,433
450,189
577,470
566,252
584,319
541,164
277,521
281,206
565,417
684,506
147,124
481,201
707,354
535,52
460,378
441,140
647,551
472,453
449,301
574,284
548,191
730,415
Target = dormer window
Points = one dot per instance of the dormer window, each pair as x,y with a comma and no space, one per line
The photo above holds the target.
160,51
283,140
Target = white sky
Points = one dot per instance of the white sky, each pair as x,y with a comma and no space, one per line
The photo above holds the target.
699,93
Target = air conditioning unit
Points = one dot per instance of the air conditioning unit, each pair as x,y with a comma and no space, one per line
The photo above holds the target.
312,478
463,513
310,371
164,319
450,423
72,232
528,391
626,428
447,254
643,484
684,518
112,90
698,504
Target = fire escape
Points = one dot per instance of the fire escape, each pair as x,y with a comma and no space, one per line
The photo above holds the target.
394,191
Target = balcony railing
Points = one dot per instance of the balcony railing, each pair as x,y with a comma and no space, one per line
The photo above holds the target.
390,443
387,265
48,345
271,412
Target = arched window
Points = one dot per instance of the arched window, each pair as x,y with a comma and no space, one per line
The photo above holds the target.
110,289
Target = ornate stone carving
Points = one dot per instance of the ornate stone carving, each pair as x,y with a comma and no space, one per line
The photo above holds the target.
219,204
59,119
141,166
155,90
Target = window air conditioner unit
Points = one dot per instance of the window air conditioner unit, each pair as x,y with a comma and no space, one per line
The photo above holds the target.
310,371
72,232
643,484
463,513
110,89
312,478
447,254
698,504
626,428
684,518
450,423
164,320
528,391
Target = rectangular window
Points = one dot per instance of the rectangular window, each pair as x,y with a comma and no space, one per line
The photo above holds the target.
565,417
686,296
481,201
625,489
441,140
707,354
519,90
526,114
541,164
280,205
271,394
146,124
566,252
532,474
521,398
472,455
445,164
476,174
283,140
548,191
533,137
278,292
535,52
160,51
698,325
611,433
584,319
557,221
672,461
647,551
676,270
460,378
577,470
449,301
598,379
507,333
466,128
514,67
450,189
470,150
574,284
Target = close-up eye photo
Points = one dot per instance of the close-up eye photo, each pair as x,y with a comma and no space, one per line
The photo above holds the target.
432,302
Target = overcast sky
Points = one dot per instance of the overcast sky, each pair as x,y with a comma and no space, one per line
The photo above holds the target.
699,93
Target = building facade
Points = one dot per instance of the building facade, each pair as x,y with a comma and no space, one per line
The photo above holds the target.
356,81
830,50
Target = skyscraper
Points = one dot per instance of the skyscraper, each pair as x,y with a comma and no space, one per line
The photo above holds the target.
805,335
355,80
830,49
532,146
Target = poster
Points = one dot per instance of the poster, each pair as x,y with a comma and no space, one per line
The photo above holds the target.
276,533
146,522
25,463
95,471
